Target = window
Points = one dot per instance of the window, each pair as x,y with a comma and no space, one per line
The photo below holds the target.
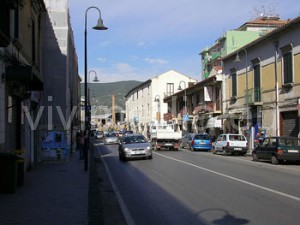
14,23
287,57
257,89
233,83
287,68
33,41
170,89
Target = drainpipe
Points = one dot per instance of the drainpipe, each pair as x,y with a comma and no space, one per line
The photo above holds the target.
276,90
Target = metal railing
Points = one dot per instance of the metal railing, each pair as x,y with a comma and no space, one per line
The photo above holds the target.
253,95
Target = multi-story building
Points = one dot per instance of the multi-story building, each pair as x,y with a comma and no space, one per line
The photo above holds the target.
21,77
39,75
206,108
261,90
231,40
61,96
144,103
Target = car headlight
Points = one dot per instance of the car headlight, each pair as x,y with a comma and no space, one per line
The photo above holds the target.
126,149
148,148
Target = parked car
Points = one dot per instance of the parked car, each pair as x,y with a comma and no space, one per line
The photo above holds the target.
98,134
129,132
111,138
277,149
231,144
134,146
186,140
201,142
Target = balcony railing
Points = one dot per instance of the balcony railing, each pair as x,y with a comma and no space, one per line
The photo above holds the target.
206,107
254,95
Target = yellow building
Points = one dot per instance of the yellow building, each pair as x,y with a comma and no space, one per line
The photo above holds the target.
261,84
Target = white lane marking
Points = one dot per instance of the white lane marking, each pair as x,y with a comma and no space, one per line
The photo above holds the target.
124,208
234,178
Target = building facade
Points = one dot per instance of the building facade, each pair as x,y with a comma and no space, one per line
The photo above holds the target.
39,75
232,40
61,96
144,103
206,108
261,90
21,76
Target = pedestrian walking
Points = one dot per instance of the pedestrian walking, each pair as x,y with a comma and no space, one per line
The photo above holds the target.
77,140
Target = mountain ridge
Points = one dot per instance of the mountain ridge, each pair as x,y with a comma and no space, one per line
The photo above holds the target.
101,94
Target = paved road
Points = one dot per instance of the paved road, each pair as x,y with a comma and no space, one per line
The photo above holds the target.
201,188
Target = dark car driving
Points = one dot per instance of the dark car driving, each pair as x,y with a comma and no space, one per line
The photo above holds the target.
277,149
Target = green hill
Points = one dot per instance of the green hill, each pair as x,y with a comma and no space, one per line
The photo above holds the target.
101,95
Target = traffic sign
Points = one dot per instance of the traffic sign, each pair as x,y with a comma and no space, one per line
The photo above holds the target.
186,117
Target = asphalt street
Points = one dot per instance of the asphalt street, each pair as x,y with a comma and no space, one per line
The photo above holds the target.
201,188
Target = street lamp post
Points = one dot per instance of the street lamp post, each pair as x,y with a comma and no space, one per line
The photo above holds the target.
247,93
99,26
89,93
157,99
179,89
185,113
94,80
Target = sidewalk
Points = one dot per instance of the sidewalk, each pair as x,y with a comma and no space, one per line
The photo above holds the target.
63,193
54,193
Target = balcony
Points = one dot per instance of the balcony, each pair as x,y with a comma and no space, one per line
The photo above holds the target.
207,107
254,96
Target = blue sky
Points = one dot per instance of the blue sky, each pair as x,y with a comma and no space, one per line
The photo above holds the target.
148,37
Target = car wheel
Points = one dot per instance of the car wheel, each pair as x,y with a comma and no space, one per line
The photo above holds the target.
191,148
274,160
150,157
255,157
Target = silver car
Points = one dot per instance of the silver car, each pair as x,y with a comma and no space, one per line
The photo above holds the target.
134,146
111,138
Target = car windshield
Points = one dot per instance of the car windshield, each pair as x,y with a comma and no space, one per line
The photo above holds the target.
201,137
134,139
234,137
289,141
111,135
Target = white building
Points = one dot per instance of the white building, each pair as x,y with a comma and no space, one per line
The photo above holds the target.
144,103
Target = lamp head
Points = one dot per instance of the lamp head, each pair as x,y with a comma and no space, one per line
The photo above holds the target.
100,25
237,58
179,88
96,79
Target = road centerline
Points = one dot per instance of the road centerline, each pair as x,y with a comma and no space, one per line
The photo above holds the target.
233,178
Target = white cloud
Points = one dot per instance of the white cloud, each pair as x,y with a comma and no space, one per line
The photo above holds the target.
141,44
156,61
104,43
124,68
102,60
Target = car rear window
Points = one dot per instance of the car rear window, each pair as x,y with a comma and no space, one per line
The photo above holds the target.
233,137
201,137
289,142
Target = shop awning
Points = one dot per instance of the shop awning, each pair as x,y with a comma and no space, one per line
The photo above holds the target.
213,122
